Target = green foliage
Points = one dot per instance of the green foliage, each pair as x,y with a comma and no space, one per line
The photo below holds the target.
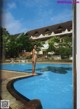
61,46
23,43
5,40
65,52
15,44
51,43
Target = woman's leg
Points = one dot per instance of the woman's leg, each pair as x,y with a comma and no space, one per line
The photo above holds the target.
33,68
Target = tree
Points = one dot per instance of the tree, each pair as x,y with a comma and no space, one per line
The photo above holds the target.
13,45
17,44
53,44
65,47
5,39
61,46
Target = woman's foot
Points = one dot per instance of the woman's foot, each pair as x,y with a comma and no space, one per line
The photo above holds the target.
33,74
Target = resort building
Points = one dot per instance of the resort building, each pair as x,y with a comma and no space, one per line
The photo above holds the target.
44,34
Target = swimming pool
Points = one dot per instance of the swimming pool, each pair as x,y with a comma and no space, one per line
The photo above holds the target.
53,88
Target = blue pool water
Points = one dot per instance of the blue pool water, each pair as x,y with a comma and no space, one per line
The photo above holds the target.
53,88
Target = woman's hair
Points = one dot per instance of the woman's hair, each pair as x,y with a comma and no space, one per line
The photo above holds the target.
34,46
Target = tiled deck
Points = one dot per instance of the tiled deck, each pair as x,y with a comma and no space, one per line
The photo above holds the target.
5,95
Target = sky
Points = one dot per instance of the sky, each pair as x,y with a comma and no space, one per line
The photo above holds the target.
25,15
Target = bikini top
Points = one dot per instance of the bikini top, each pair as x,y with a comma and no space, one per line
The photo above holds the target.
35,52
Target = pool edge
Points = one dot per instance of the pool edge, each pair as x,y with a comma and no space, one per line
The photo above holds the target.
30,104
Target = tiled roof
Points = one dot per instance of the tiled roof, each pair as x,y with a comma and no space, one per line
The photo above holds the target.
53,28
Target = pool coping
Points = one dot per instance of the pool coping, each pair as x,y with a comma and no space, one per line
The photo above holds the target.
30,104
38,62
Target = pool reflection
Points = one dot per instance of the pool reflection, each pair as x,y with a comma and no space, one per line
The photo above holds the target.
60,70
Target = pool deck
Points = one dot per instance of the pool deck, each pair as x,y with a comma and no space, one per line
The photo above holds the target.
7,76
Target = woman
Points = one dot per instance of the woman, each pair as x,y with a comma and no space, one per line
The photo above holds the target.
34,59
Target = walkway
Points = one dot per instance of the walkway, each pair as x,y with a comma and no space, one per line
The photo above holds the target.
5,95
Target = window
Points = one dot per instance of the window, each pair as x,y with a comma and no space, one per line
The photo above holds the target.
47,32
59,29
36,34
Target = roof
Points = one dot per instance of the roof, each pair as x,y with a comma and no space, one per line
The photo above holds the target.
69,34
53,28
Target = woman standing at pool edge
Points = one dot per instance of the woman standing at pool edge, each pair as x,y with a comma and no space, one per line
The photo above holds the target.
34,59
